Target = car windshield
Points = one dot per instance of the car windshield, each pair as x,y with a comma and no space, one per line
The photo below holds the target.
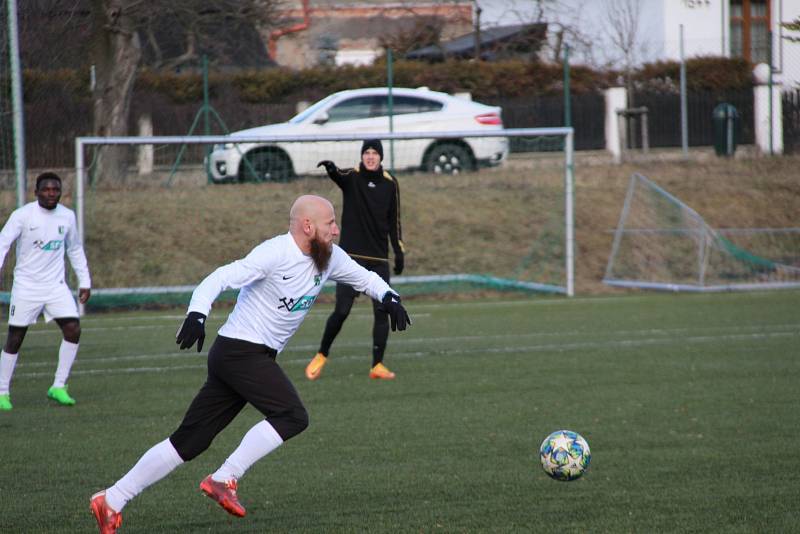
303,115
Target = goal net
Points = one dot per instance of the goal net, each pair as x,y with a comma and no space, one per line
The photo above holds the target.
160,213
661,243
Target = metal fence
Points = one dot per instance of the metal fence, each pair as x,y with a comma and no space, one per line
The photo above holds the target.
55,118
664,111
587,111
791,121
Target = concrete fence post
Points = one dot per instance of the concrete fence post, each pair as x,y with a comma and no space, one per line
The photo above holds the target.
769,137
616,98
145,158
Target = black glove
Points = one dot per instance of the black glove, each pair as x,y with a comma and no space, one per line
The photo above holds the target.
193,329
399,263
329,166
397,313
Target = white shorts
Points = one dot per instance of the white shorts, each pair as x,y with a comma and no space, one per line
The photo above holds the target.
60,304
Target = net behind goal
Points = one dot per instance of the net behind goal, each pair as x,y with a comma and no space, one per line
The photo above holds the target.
661,243
153,228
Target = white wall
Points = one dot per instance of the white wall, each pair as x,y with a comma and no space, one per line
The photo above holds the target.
706,28
787,54
705,25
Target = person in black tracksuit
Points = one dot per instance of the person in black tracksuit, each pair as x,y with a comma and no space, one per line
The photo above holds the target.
371,213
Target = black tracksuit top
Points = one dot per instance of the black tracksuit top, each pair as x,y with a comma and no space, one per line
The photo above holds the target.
371,211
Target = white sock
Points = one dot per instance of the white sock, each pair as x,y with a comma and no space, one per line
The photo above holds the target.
7,363
259,441
66,357
155,464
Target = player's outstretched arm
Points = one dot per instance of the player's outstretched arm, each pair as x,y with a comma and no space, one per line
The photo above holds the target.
192,330
398,316
330,168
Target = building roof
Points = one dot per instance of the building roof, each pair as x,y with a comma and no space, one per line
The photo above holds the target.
491,41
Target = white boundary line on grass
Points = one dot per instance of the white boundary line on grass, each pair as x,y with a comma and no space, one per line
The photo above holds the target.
552,347
306,348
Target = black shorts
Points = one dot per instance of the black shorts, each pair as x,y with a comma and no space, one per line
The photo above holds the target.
239,372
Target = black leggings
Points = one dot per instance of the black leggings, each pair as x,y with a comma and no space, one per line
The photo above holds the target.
345,296
239,372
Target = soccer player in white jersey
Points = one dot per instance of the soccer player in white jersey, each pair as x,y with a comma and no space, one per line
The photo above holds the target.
279,280
43,230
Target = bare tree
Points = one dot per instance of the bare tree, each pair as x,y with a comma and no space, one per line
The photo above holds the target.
623,27
118,30
424,31
416,29
793,26
565,26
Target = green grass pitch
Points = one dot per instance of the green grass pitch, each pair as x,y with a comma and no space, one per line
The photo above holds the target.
689,403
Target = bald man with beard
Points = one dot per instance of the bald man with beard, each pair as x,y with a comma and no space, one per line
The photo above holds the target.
279,281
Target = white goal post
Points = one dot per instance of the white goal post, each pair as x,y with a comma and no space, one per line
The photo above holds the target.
563,135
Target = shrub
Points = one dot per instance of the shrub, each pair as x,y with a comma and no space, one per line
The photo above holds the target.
706,73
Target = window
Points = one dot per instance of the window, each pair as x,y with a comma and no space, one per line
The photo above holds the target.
750,30
404,105
353,109
366,107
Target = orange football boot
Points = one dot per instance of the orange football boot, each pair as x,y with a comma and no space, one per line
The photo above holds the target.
314,367
381,372
107,519
225,494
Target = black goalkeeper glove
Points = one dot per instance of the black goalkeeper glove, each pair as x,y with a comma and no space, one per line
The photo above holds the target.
397,313
193,329
329,166
399,263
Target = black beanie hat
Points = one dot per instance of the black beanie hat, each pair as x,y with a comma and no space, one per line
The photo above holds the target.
374,144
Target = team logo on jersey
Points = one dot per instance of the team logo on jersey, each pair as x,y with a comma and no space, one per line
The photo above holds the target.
317,279
301,304
61,230
54,244
371,184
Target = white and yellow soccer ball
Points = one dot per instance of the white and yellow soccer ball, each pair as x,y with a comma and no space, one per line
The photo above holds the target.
565,455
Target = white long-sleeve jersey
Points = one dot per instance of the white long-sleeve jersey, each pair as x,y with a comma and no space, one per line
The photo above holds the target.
279,284
42,237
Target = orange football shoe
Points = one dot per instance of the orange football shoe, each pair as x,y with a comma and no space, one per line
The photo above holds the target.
225,494
107,519
381,372
314,367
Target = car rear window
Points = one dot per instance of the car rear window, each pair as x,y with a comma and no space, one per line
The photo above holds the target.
404,105
360,107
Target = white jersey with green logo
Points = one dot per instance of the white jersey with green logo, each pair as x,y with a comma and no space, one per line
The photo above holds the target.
42,237
279,284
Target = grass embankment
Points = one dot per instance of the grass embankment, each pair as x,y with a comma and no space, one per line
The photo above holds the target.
485,222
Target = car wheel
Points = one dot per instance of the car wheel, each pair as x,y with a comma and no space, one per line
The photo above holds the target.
266,166
447,158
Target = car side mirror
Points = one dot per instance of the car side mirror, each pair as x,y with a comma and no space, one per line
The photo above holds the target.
322,118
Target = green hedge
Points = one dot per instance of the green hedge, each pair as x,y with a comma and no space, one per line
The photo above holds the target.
702,73
483,80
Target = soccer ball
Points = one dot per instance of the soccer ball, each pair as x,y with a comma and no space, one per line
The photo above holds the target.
565,455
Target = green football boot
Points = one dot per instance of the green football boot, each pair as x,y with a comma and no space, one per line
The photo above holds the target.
5,403
60,395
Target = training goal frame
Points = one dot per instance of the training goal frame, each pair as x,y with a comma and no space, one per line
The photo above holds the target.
567,133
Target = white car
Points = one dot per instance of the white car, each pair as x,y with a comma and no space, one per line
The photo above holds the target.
362,112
